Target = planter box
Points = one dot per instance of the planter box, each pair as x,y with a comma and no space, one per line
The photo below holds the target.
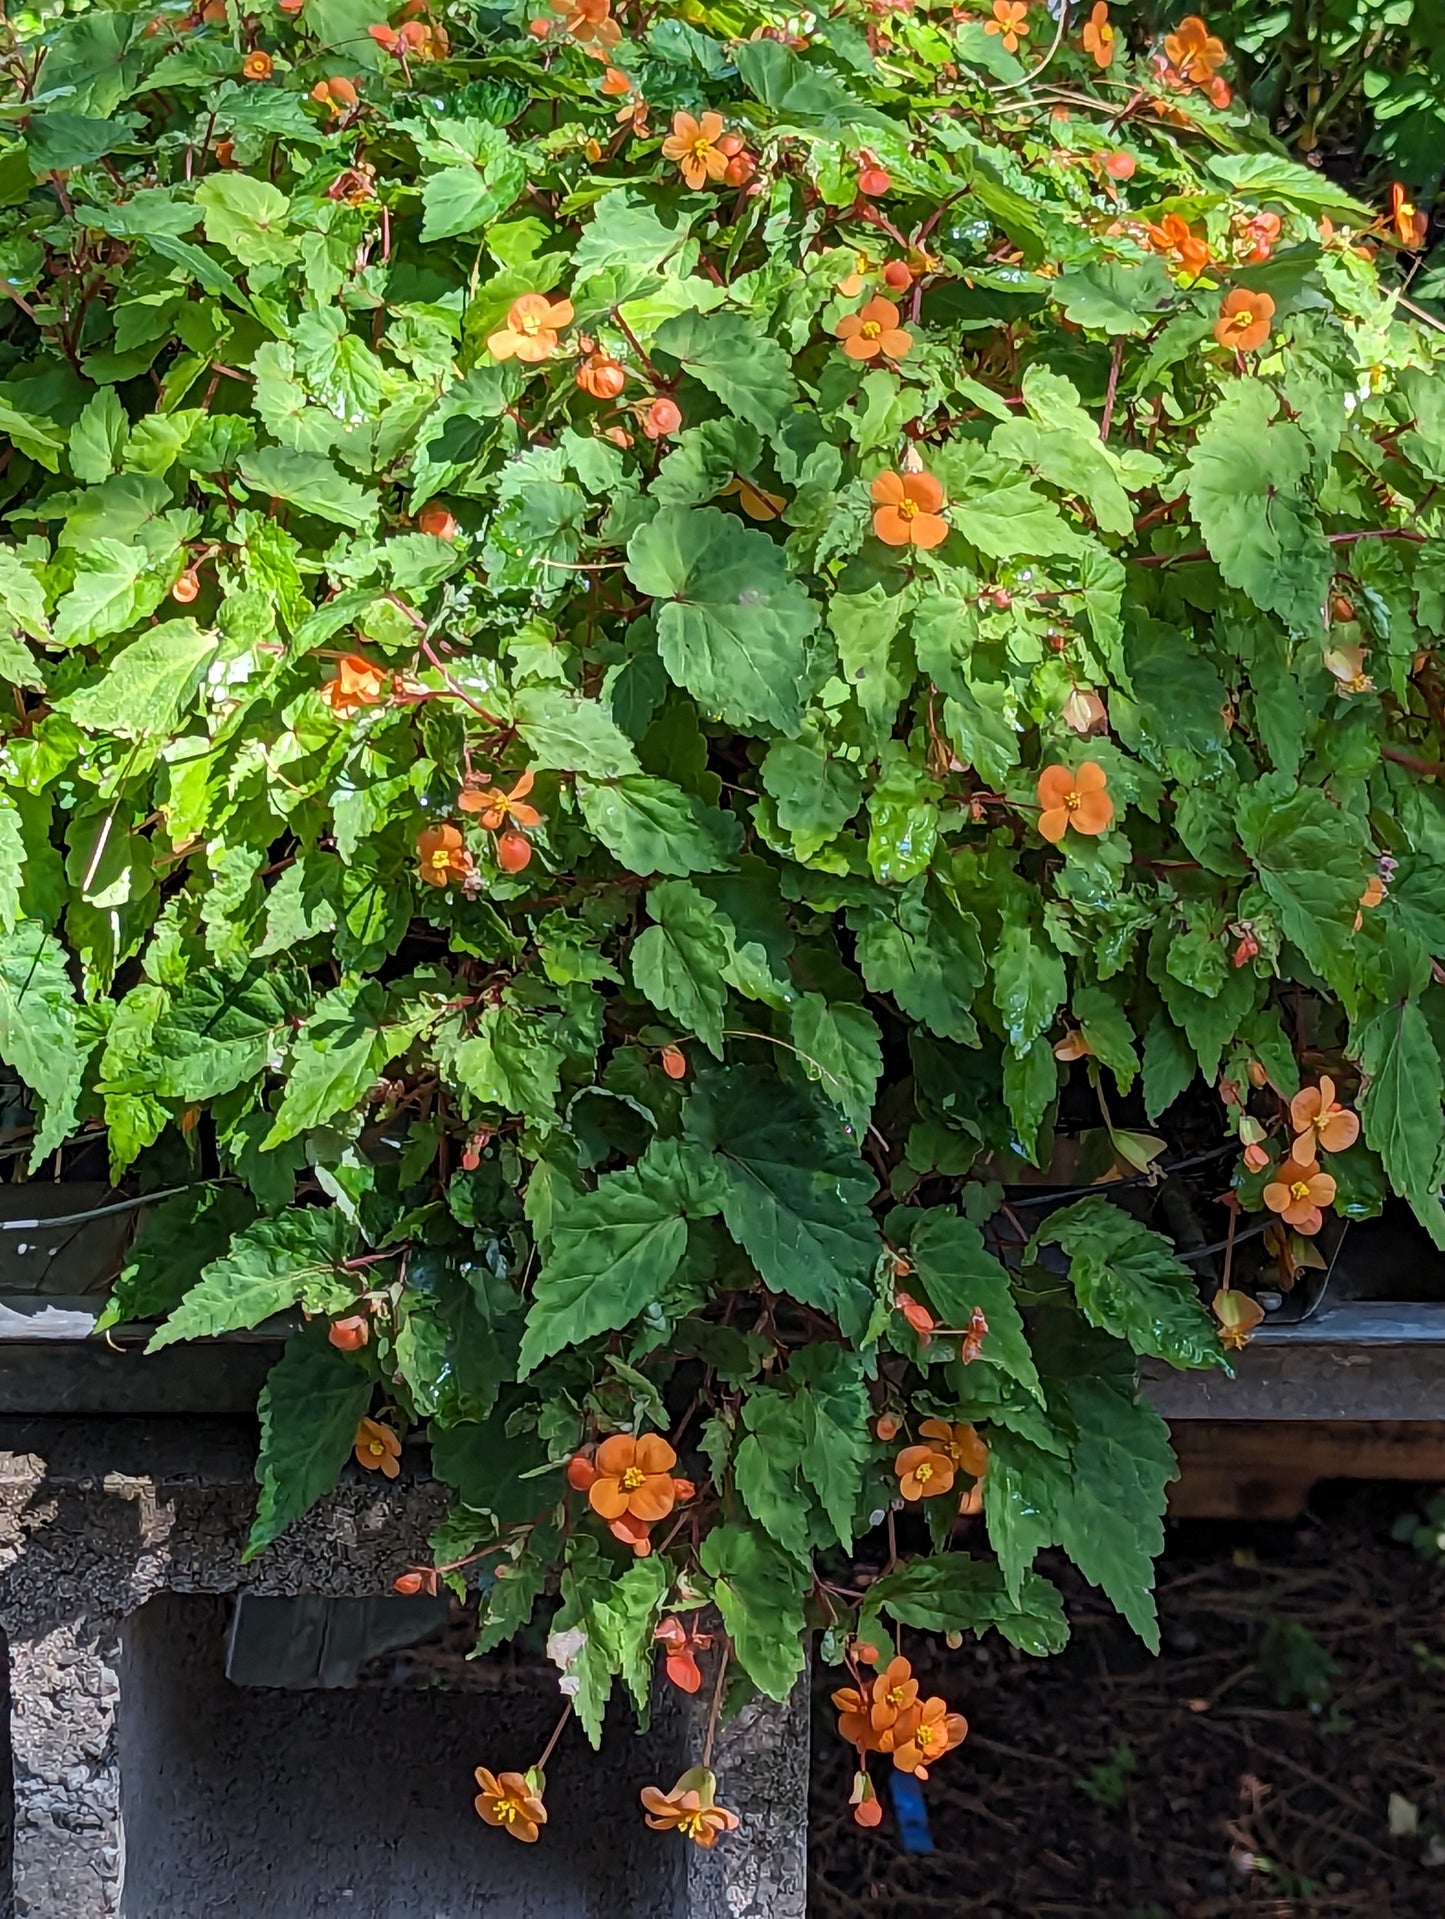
148,1785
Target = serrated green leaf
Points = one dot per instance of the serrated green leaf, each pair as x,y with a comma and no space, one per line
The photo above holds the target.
651,826
294,1259
40,1033
145,687
572,735
958,1276
678,962
310,483
1129,1283
311,1405
747,369
759,1591
953,1593
840,1047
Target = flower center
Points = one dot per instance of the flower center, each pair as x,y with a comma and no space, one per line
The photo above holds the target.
924,1473
701,148
872,329
907,508
508,1810
439,860
531,326
692,1823
926,1738
376,1449
1073,801
1244,318
1407,209
1300,1190
894,1696
632,1479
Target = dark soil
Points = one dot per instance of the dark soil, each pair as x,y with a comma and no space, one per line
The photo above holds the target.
1249,1770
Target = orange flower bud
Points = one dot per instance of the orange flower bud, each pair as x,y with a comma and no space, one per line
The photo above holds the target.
662,418
867,1653
351,1334
873,183
684,1489
602,377
580,1472
514,851
1257,1075
186,588
898,275
1341,608
868,1812
407,1584
437,521
674,1062
887,1428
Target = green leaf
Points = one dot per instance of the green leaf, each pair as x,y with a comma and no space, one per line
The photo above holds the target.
759,1591
958,1274
248,217
220,1030
797,1194
1401,1107
928,956
311,1405
1107,1033
651,826
816,795
746,368
1269,176
312,484
463,199
1246,488
23,600
97,437
112,591
613,1251
767,1469
40,1035
1113,296
627,231
565,732
1129,1283
494,1471
293,1259
834,1406
512,1059
678,962
1310,861
953,1593
840,1047
334,1059
147,686
734,624
180,1235
1029,982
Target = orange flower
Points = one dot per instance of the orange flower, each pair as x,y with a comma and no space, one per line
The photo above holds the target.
1174,237
1373,894
349,1335
338,94
1011,19
694,145
908,510
1073,799
636,1533
377,1448
923,1472
855,1722
444,856
925,1734
633,1478
873,332
960,1443
683,1647
1244,319
257,66
690,1808
496,808
1410,224
186,588
358,683
601,377
437,521
511,1802
1320,1121
590,23
1100,38
1193,52
1238,1315
615,83
674,1062
895,1691
531,330
974,1334
1298,1192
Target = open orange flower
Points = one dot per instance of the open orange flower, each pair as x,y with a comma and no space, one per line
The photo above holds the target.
894,1692
855,1721
1410,224
923,1472
873,332
1177,241
1320,1121
908,507
1193,52
700,147
590,24
357,683
1238,1315
1100,39
960,1443
510,1801
925,1734
496,808
1011,20
1073,799
444,856
533,323
1244,318
633,1478
690,1808
377,1448
615,84
257,66
1259,236
1297,1193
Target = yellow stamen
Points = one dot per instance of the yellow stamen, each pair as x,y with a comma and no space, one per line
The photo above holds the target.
1300,1190
632,1479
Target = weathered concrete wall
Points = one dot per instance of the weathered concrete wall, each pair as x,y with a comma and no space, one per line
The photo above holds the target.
147,1787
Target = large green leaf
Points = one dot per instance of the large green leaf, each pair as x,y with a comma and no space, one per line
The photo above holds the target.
953,1593
678,961
311,483
220,1030
112,590
651,826
797,1194
1246,487
334,1059
959,1275
1402,1104
1311,862
145,687
40,1034
311,1405
572,734
1129,1283
747,369
613,1250
294,1259
928,956
733,623
839,1046
759,1590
